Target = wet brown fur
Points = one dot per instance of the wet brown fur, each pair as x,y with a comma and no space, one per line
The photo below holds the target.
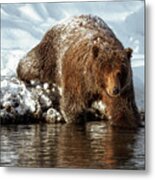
87,68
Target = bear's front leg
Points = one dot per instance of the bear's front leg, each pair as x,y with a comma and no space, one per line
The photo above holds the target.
122,114
72,108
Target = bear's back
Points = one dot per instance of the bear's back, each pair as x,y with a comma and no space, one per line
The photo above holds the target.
78,28
46,58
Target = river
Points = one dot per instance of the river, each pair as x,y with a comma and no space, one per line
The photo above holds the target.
92,145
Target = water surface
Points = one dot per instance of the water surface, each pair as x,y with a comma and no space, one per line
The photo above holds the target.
92,145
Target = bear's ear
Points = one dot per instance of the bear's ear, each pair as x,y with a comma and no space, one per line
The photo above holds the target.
95,51
129,52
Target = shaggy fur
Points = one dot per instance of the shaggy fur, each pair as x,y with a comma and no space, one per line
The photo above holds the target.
88,62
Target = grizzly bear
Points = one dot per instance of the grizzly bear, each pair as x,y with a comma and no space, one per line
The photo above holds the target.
84,58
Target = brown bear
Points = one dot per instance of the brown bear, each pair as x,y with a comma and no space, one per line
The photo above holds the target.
85,59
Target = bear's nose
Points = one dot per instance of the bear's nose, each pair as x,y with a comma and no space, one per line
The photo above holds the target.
116,91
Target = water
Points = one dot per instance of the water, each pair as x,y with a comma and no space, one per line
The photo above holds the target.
93,145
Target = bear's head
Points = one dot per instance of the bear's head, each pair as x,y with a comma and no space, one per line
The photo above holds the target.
112,68
97,67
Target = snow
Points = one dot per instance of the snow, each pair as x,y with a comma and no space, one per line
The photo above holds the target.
16,94
23,26
32,103
9,61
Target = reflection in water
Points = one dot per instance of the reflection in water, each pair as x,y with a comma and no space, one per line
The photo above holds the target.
92,145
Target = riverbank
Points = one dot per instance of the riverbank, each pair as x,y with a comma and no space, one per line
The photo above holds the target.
33,103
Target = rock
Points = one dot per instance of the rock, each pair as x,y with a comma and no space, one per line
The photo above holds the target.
53,116
28,104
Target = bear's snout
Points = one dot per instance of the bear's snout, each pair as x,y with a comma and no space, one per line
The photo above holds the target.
113,85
